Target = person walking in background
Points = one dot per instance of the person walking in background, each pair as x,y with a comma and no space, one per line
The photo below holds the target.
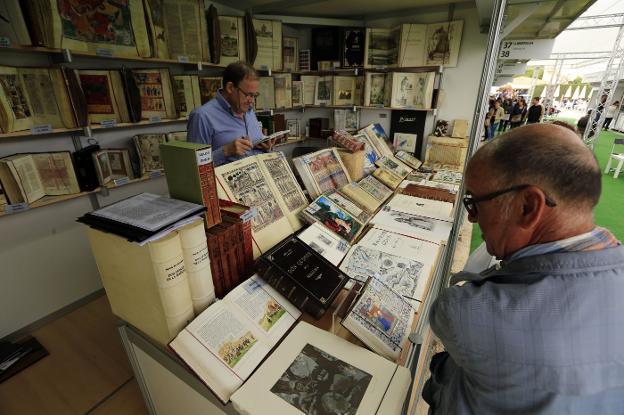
535,113
499,114
582,123
611,111
518,113
507,107
487,122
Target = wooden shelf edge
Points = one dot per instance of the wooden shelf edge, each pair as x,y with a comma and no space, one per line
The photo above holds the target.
86,54
50,200
93,127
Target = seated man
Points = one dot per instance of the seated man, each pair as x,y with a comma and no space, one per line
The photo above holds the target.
543,331
228,122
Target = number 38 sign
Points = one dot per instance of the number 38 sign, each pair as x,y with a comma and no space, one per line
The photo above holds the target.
526,49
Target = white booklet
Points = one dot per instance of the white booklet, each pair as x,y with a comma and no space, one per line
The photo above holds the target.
228,340
325,242
316,372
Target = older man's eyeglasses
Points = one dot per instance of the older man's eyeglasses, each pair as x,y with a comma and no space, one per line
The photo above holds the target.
470,202
248,94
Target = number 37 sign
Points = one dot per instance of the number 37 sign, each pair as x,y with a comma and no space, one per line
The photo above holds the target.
526,49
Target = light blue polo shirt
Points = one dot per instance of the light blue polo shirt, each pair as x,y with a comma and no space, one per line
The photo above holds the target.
216,124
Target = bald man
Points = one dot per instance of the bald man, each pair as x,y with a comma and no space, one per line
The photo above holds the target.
543,332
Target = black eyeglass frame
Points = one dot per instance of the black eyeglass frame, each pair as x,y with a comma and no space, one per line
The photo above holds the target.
470,202
247,94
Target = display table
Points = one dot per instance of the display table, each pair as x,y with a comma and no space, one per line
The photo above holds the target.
168,386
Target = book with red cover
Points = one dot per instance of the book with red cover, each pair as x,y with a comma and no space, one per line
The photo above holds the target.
243,215
215,263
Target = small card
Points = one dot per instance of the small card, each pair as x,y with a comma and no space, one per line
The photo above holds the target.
108,123
41,129
17,207
104,52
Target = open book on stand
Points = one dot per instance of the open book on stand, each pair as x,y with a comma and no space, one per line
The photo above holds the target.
226,342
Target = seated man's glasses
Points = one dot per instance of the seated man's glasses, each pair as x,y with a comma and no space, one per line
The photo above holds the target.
248,94
470,202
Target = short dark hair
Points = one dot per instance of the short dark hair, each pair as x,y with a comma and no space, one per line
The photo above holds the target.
235,72
568,172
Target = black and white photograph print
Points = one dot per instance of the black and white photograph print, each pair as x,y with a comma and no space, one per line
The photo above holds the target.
317,383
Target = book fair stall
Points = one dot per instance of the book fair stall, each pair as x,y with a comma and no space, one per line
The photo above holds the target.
297,280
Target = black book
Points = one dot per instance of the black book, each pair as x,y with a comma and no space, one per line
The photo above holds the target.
85,169
302,275
325,45
409,122
353,47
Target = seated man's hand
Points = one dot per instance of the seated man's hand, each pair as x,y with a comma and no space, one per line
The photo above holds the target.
237,147
266,145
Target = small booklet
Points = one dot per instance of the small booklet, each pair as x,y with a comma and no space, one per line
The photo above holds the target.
272,136
227,341
381,318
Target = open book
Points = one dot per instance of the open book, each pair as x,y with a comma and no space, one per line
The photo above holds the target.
29,177
34,96
313,370
228,340
381,318
322,171
264,182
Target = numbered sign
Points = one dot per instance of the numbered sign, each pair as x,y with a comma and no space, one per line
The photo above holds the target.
526,49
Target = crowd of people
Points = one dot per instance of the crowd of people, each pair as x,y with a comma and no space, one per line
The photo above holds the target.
511,113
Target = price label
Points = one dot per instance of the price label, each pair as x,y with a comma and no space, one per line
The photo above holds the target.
183,59
17,207
104,52
108,123
41,129
526,49
154,174
249,215
204,156
5,42
323,104
155,118
121,181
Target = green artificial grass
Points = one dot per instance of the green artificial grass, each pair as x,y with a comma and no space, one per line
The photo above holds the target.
610,210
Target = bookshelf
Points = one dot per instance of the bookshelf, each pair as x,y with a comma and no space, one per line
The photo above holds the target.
8,210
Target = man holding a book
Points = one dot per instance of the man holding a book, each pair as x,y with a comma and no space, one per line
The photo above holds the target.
543,331
228,122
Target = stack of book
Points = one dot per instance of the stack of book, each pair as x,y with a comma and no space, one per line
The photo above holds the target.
152,256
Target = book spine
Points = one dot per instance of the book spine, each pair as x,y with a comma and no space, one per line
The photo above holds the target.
247,246
197,263
209,194
240,251
233,255
172,281
289,289
215,264
225,265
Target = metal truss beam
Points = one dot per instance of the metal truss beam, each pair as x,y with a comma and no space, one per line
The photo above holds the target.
602,21
612,75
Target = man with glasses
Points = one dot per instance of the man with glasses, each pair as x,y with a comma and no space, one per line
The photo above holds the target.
228,122
543,331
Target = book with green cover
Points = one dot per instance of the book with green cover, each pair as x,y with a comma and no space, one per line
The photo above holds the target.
190,176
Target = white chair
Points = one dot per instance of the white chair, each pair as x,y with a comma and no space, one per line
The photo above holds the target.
617,157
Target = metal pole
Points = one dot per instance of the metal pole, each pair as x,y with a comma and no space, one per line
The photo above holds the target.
613,74
487,76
